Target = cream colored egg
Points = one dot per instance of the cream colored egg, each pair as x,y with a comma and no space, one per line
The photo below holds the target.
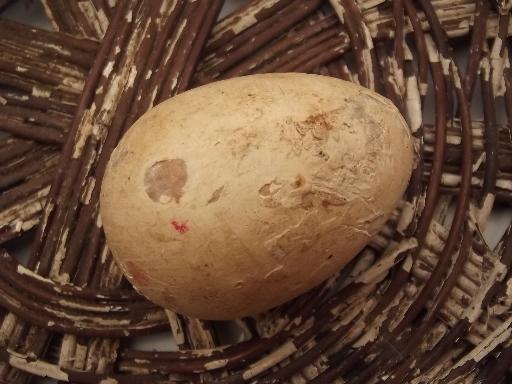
237,196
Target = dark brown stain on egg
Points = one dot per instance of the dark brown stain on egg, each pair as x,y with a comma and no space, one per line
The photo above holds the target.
320,125
321,120
299,181
215,195
165,179
265,190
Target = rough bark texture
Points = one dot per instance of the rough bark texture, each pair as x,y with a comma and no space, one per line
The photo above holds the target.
41,77
84,18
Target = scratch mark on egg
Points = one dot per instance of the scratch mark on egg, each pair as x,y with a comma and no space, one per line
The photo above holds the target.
273,271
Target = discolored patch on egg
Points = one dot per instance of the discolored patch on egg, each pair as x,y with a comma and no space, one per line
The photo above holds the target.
320,125
136,273
215,195
164,180
180,227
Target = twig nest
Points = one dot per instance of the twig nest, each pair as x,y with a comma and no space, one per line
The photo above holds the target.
237,196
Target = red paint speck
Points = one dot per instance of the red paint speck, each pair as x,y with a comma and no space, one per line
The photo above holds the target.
179,227
137,274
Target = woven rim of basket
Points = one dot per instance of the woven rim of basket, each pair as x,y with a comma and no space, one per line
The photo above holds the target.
426,301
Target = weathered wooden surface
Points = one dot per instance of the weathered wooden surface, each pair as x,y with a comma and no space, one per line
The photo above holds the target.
426,301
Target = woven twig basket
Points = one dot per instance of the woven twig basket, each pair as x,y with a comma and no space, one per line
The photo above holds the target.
427,301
